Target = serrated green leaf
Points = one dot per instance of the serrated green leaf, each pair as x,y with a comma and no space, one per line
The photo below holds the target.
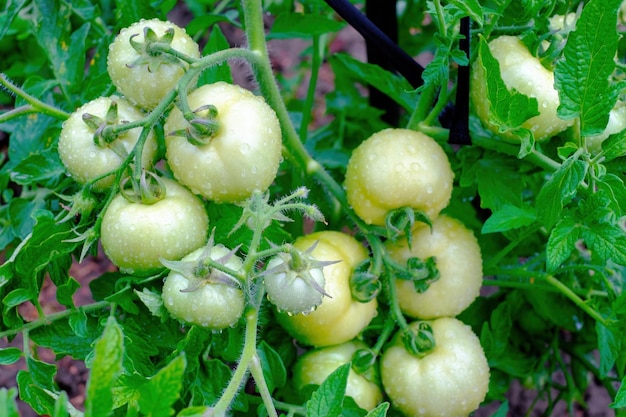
327,400
37,397
561,242
61,338
217,42
60,405
560,189
44,168
606,242
42,373
106,367
12,9
610,346
199,411
9,355
582,77
298,25
509,217
470,8
163,389
152,301
614,146
273,368
508,109
8,406
130,11
620,397
394,86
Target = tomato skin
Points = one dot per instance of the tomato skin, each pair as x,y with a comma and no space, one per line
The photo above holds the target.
397,168
458,259
86,161
135,236
212,305
314,366
522,71
242,157
339,318
147,87
450,381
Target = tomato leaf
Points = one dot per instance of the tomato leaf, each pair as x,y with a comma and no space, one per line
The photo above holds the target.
298,25
273,368
34,395
508,109
327,400
106,367
8,406
561,242
379,411
9,355
163,389
560,189
509,217
607,242
610,346
620,397
582,77
217,42
614,146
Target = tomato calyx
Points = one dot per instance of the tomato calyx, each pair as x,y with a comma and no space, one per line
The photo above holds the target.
363,361
364,284
203,125
206,270
419,341
148,190
104,135
79,206
400,222
422,272
153,50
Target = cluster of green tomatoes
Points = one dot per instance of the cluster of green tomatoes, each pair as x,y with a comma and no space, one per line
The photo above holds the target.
223,144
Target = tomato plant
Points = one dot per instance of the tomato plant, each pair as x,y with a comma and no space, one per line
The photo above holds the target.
201,199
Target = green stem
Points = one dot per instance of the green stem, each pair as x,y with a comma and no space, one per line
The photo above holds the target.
249,351
307,111
566,291
257,373
37,104
46,320
424,105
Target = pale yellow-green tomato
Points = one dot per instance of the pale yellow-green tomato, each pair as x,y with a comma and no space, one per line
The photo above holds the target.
241,158
397,168
84,159
314,366
339,318
450,381
522,71
135,236
214,302
458,260
146,79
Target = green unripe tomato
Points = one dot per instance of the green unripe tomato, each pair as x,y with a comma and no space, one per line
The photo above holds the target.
522,71
397,168
340,317
136,236
205,301
144,78
458,259
450,381
314,366
84,159
242,157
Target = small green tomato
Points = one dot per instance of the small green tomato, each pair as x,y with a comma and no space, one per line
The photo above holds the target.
212,300
135,236
397,168
86,160
449,381
314,366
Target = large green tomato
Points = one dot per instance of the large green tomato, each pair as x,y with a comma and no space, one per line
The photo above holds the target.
458,259
397,168
145,78
84,159
314,366
522,71
450,381
340,317
211,300
136,236
242,157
